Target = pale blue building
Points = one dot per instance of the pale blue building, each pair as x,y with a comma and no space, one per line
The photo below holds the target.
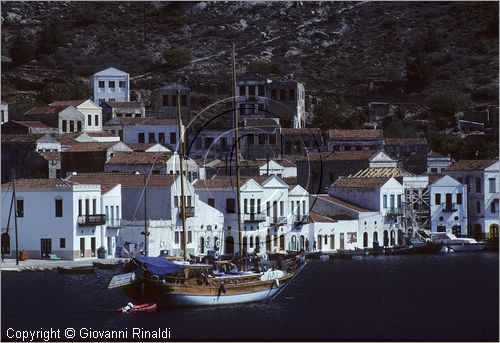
110,84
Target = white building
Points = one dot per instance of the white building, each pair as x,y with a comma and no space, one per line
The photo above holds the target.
92,113
162,212
281,168
60,217
436,162
4,110
448,209
481,179
110,84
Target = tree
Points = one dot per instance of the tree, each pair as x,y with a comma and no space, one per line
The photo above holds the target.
21,51
177,56
448,144
418,72
335,113
64,91
448,102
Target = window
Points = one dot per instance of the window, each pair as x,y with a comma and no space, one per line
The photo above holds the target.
59,208
87,206
272,139
101,101
242,91
101,84
262,139
111,85
211,202
174,101
140,137
188,201
492,185
161,137
111,99
64,126
71,126
245,206
230,205
437,199
291,96
96,120
190,236
384,201
251,90
94,206
62,243
282,208
20,208
492,207
282,94
391,200
89,120
261,90
478,185
79,126
478,207
326,239
459,198
79,207
165,100
258,205
184,100
177,237
121,84
173,138
152,137
268,208
434,170
176,201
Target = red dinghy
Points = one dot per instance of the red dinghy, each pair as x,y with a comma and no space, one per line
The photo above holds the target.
131,308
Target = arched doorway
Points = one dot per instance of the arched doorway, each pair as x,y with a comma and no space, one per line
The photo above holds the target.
282,242
245,244
293,244
400,237
302,242
493,231
386,238
307,245
393,237
375,239
365,240
202,245
229,245
268,243
5,243
251,241
257,243
478,235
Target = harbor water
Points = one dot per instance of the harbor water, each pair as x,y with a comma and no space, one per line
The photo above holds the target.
427,297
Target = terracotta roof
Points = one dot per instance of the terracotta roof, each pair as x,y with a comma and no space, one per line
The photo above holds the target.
126,180
340,155
122,104
44,110
405,141
91,146
146,121
342,203
471,164
355,134
9,138
360,182
302,131
100,134
433,153
23,184
33,124
67,103
140,157
51,155
260,122
68,138
319,218
243,164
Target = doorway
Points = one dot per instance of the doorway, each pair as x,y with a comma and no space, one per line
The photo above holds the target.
82,247
92,246
229,245
365,240
341,241
46,247
386,238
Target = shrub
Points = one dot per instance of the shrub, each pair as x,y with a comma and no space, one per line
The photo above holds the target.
21,51
64,91
177,56
448,102
264,67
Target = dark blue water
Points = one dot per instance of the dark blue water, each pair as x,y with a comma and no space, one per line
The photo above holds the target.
452,297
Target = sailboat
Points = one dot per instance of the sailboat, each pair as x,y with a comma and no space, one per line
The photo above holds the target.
182,283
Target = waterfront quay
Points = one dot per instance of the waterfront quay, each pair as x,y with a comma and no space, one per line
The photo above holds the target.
9,265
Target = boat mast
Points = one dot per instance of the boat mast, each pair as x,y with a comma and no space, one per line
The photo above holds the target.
15,218
181,158
237,149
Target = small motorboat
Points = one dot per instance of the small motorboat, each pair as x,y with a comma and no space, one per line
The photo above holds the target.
131,308
76,270
100,265
454,243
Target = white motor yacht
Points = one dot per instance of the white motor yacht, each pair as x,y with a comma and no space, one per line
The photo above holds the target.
455,243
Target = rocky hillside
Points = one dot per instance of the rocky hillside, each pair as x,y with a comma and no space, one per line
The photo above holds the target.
335,48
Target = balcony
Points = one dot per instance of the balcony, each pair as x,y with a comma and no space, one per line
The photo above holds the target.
189,211
449,208
254,217
301,219
278,221
113,223
394,212
91,220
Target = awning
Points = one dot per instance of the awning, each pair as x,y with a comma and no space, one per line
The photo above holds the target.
158,265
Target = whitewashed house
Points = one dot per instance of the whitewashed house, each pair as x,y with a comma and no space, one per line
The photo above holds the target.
448,208
436,162
58,217
481,179
110,84
281,168
91,111
4,110
155,210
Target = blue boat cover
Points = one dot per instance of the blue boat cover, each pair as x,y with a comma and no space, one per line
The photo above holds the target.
158,265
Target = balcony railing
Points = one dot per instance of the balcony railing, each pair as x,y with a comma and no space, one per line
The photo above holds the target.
113,223
394,211
254,217
301,219
189,211
276,221
450,208
91,220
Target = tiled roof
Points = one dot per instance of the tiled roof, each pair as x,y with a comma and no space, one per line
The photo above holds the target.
232,164
45,110
140,157
32,124
141,146
68,138
319,218
126,180
146,121
100,134
471,165
342,203
355,134
23,184
260,122
302,131
405,141
9,138
383,172
433,153
91,146
340,155
360,182
66,103
51,155
123,104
